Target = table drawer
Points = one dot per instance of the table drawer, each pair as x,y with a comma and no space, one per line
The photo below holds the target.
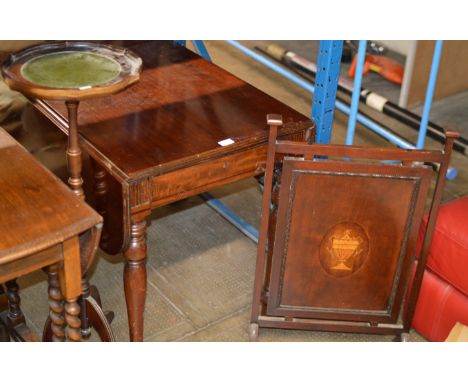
183,183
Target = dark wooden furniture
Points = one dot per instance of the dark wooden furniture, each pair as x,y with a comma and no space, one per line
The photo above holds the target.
40,222
338,235
73,72
162,141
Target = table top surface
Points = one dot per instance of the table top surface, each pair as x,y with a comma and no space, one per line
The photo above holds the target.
177,114
37,209
71,70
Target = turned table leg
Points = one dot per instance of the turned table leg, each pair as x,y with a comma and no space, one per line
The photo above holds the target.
71,286
84,315
15,315
56,305
135,279
12,318
72,317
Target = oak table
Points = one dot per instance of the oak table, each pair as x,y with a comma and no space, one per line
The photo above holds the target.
186,127
40,222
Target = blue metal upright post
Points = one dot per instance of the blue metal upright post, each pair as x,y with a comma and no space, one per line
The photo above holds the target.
429,94
199,46
201,49
326,84
361,58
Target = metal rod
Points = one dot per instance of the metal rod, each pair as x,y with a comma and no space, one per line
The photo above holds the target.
361,58
375,127
231,217
429,93
199,46
271,65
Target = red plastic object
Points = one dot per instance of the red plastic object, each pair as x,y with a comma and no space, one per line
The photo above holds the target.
448,255
443,300
440,306
386,67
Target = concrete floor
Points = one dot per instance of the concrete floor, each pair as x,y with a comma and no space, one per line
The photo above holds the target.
200,268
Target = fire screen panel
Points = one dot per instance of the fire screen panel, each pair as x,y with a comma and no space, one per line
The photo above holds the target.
344,238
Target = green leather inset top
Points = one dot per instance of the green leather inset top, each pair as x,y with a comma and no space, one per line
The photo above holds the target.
70,69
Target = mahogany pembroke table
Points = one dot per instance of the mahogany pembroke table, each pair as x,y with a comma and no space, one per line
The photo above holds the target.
186,127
